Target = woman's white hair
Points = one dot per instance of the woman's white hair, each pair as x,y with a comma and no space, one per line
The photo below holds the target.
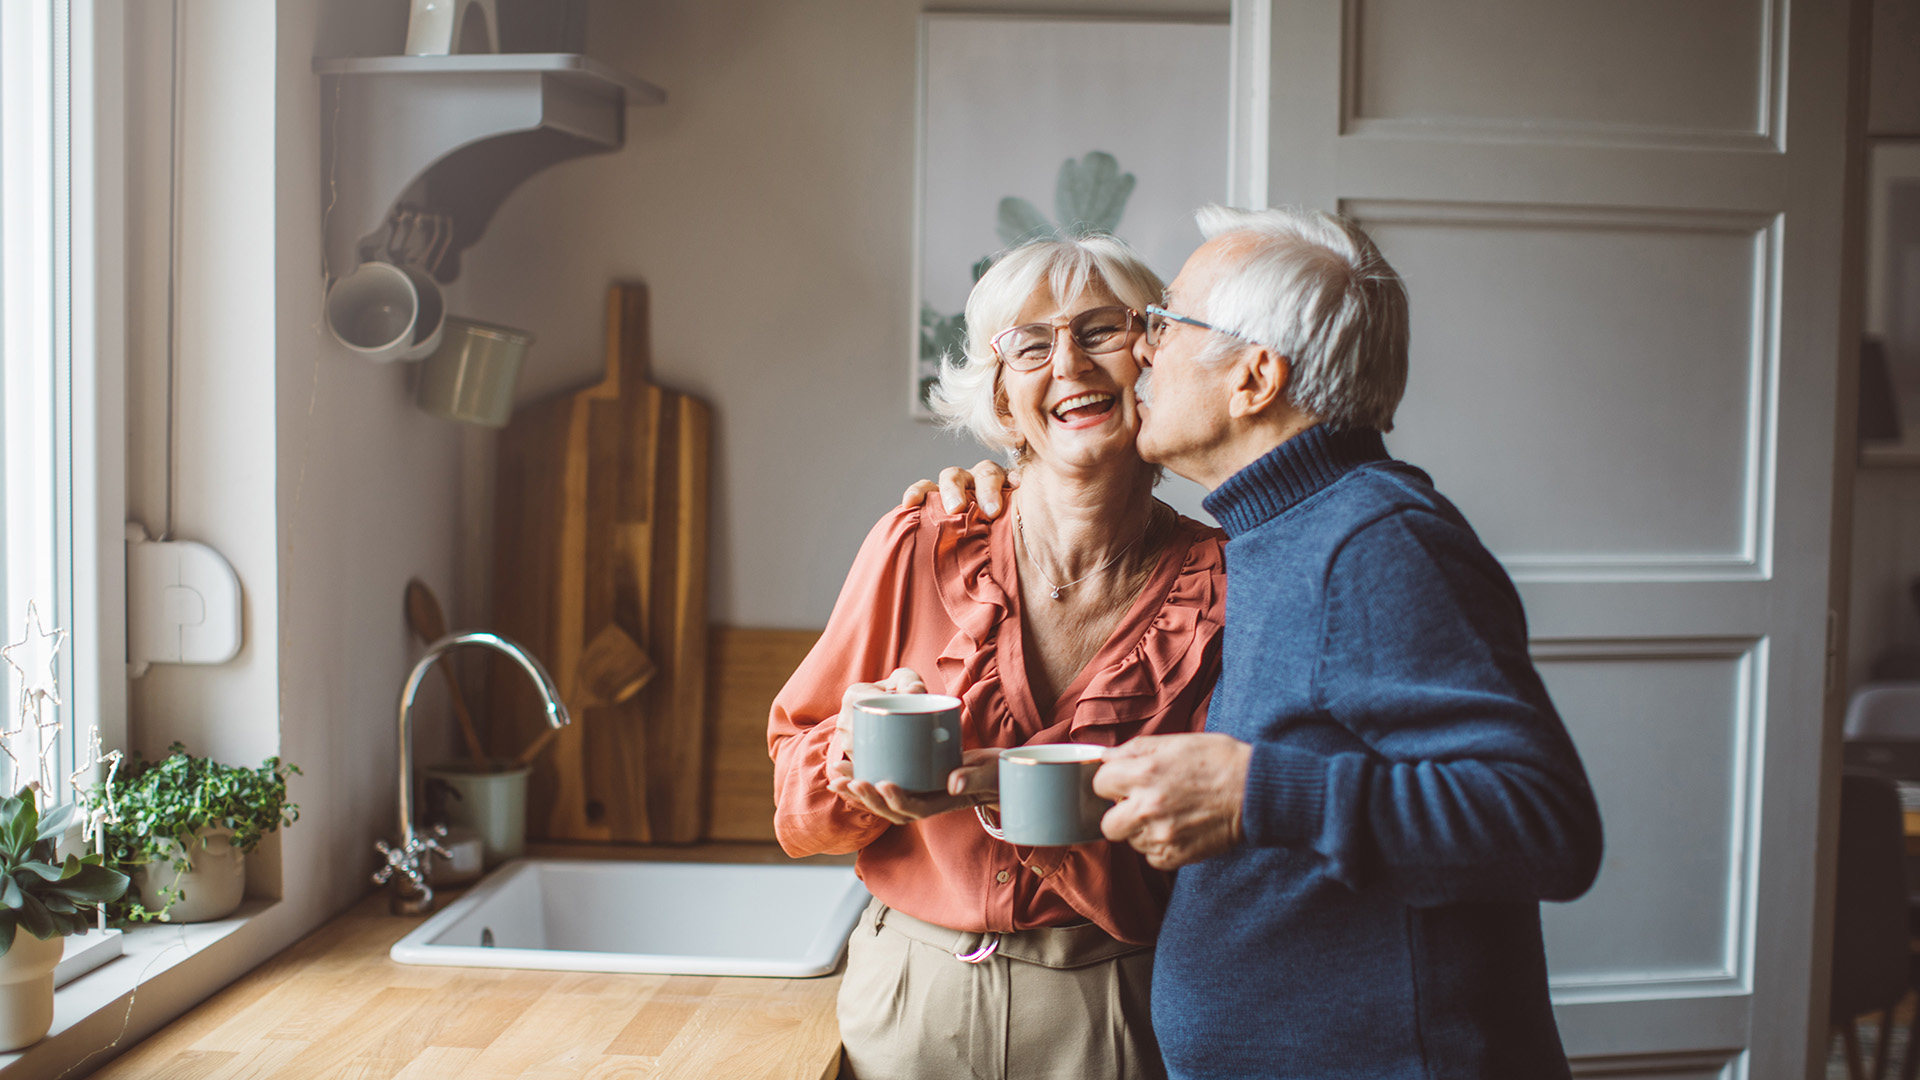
1313,287
968,396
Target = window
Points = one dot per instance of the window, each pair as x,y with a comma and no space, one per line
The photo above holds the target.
48,506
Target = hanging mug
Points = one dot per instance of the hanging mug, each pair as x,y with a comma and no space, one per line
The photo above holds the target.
385,312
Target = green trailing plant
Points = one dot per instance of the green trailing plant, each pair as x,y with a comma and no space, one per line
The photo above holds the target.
157,809
40,893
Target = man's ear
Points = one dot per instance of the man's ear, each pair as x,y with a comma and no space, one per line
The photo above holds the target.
1259,384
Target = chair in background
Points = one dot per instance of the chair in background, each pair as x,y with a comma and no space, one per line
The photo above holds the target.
1870,950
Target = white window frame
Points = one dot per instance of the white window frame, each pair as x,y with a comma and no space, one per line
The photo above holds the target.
62,469
63,400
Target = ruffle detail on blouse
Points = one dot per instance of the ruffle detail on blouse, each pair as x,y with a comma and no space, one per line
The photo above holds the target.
962,565
1169,655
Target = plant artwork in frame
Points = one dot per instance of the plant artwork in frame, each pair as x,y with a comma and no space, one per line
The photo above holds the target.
1039,127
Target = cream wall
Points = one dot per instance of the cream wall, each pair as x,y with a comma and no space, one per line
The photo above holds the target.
768,206
307,468
224,473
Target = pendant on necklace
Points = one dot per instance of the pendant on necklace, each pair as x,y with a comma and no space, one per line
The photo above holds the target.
1056,594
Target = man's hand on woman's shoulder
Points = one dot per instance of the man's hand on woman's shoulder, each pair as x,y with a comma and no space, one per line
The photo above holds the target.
986,481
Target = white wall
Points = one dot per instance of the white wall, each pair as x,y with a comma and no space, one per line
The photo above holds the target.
309,469
768,206
225,482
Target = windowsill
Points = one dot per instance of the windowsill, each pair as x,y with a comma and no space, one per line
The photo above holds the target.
147,952
85,953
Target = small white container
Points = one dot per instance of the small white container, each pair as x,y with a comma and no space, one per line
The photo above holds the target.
493,804
466,863
211,887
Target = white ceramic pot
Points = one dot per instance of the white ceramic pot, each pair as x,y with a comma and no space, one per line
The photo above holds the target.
26,989
211,887
493,804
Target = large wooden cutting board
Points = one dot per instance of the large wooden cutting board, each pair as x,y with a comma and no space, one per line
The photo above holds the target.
601,519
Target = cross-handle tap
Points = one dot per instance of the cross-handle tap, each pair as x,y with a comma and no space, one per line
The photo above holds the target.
406,865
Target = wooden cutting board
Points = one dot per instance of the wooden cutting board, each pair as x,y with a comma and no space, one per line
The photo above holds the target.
601,520
746,669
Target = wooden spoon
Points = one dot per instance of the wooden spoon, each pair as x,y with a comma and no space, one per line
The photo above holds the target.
430,625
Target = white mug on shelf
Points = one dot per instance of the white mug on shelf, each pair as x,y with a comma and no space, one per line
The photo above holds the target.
443,27
384,312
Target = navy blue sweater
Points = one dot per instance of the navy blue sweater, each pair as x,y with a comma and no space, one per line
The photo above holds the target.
1412,795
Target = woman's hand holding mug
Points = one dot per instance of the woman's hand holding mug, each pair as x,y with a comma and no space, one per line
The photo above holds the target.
974,782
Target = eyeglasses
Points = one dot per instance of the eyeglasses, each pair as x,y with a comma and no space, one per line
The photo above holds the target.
1101,330
1159,317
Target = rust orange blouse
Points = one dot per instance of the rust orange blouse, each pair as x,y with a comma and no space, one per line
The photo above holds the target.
937,592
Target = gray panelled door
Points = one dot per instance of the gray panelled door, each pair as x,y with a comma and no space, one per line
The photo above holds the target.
1621,232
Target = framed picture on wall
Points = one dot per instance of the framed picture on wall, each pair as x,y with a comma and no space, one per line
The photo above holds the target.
1037,126
1890,386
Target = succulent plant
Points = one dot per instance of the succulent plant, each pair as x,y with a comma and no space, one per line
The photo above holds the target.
39,892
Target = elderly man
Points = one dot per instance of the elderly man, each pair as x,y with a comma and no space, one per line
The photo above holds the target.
1384,792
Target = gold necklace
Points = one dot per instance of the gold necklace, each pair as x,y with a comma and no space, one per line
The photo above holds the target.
1020,531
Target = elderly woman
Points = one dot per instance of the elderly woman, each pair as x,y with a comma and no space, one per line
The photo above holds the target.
1089,614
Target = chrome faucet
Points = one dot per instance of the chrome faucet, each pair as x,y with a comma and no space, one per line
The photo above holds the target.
406,865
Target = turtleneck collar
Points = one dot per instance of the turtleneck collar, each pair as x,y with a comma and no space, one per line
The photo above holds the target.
1289,473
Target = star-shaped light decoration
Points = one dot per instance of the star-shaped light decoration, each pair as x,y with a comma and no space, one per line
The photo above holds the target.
35,691
79,778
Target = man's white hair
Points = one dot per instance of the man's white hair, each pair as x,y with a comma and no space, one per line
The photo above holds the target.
969,397
1313,287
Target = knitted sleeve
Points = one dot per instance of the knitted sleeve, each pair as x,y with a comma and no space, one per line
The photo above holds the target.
1454,779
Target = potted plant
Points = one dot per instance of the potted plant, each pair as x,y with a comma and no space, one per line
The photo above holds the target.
47,897
182,826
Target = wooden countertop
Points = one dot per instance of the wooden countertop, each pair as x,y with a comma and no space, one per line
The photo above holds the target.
334,1005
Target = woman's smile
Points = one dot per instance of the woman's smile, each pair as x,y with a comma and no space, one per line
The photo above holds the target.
1083,410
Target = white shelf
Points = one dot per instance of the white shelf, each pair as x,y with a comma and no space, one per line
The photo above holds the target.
573,66
454,135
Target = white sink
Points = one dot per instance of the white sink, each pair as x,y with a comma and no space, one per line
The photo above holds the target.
661,917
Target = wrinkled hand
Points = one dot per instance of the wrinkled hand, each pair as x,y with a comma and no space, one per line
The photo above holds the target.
976,781
1177,798
987,481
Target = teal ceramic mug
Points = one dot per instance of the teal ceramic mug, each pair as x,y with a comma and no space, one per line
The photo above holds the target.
910,739
1046,795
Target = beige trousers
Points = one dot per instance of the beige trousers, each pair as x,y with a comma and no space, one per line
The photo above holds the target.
1068,1003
